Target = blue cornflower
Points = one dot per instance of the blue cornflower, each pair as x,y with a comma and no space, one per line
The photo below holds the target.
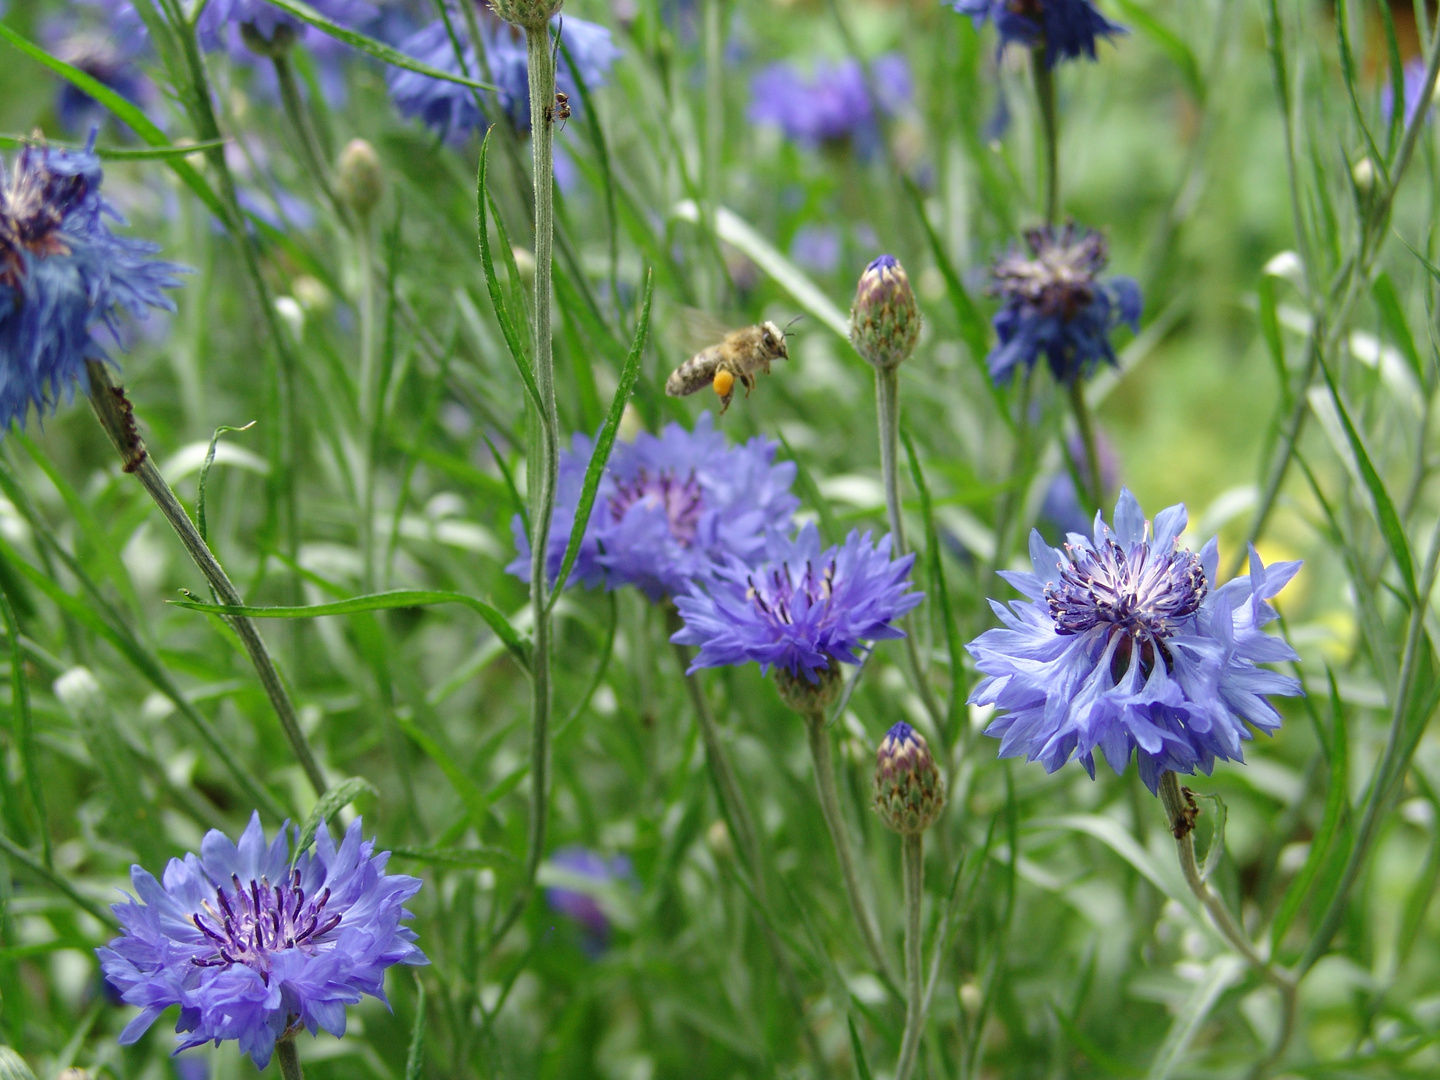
802,609
108,59
669,509
1414,86
251,947
1125,644
449,108
265,25
1067,28
1054,303
583,907
832,104
62,274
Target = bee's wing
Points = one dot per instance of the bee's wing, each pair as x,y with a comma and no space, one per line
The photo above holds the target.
695,329
694,374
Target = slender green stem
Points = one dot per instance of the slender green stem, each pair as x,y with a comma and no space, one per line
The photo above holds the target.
117,417
24,726
370,399
1049,131
288,1055
305,135
887,406
1180,816
1092,473
840,838
913,870
45,873
544,460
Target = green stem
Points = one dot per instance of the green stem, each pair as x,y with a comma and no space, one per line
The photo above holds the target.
913,869
840,839
370,399
117,417
310,150
545,449
1049,130
1179,813
1092,473
887,407
288,1055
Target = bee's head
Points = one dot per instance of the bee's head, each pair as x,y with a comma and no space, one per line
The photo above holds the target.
773,338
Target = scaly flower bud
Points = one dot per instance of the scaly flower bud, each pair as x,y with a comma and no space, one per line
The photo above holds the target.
807,697
359,178
909,790
884,320
531,14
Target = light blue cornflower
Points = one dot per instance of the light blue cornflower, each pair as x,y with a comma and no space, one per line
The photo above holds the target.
1124,644
803,609
669,509
582,906
449,108
1055,304
252,948
63,274
1068,29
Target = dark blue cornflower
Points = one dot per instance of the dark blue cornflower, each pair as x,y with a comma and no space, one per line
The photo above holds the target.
669,509
227,23
105,41
251,947
1067,28
582,906
63,273
800,610
1055,303
449,108
1125,644
832,104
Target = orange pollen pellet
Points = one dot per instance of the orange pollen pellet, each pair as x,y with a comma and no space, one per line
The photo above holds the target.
724,383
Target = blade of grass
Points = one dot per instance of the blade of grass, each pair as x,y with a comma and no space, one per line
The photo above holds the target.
492,283
600,456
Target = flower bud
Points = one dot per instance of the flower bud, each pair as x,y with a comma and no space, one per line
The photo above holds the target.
909,790
1363,174
717,839
359,178
531,14
884,320
810,699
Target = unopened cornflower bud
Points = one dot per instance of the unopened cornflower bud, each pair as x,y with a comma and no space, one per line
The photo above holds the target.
909,790
531,14
359,178
1363,174
884,320
717,839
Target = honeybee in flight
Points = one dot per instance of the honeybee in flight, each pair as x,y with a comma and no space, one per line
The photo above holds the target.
738,358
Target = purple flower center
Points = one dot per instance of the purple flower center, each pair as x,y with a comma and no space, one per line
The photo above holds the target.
1139,595
33,205
263,919
680,499
776,595
1059,277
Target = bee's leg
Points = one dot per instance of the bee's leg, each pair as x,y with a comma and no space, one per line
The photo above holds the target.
749,383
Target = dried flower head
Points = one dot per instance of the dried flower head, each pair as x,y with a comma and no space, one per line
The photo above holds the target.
251,947
1056,304
1124,643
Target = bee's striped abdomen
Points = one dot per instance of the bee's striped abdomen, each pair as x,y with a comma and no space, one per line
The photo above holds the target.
697,373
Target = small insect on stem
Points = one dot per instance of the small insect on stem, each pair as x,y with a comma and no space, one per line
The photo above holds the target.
559,109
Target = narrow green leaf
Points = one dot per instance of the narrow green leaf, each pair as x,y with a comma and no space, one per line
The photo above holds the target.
1385,515
205,473
492,283
1222,973
335,797
600,456
453,856
938,587
1217,837
1106,1063
58,881
127,111
862,1067
378,49
1337,804
1393,316
114,153
1110,833
415,1057
22,724
397,598
1270,331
